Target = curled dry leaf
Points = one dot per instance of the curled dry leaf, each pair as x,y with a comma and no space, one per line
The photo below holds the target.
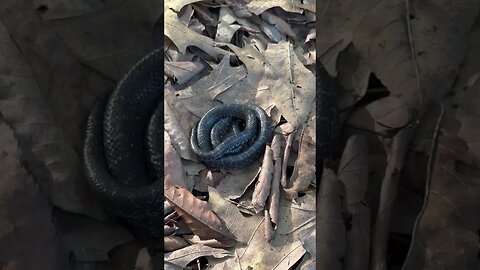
174,176
330,247
353,172
286,155
274,198
353,169
198,216
185,255
304,172
388,194
268,228
262,188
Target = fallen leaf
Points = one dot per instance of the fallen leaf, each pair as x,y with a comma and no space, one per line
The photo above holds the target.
198,216
174,175
397,152
290,86
49,154
26,227
330,233
446,231
199,97
264,182
185,255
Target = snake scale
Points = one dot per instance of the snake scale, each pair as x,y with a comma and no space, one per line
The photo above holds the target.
123,150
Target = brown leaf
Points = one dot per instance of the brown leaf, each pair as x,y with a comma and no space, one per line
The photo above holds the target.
198,216
264,182
174,175
353,171
396,39
446,231
274,198
268,227
172,243
304,172
51,156
382,115
388,194
286,155
288,85
330,247
26,227
185,255
144,261
182,71
198,98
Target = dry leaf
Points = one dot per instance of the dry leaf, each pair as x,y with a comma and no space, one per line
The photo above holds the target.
274,198
389,191
198,216
353,171
304,172
262,187
288,84
144,261
183,37
446,231
181,72
174,175
185,255
198,98
286,155
330,247
50,156
25,215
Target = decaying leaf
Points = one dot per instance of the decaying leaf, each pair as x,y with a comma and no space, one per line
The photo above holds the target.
330,247
25,215
198,98
50,155
304,172
389,191
353,171
185,255
288,84
264,182
174,176
446,231
198,216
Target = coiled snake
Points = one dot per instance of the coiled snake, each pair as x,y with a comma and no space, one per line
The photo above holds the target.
123,149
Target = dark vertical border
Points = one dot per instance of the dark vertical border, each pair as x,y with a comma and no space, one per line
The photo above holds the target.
327,119
158,260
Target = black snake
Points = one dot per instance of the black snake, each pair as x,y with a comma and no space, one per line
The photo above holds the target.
123,152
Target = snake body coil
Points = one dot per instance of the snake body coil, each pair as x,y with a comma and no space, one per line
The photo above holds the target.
121,129
123,151
239,150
